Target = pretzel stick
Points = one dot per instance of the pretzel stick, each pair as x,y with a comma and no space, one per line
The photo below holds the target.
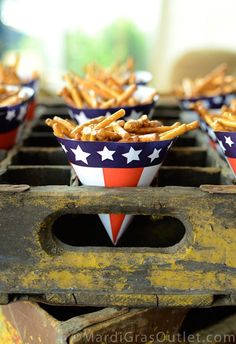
12,100
148,137
57,130
227,122
117,85
68,125
173,133
208,78
108,104
89,85
115,116
103,87
158,130
89,100
74,92
79,128
193,125
120,131
126,94
105,134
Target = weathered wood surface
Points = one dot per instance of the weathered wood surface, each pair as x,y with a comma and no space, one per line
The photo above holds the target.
202,263
26,322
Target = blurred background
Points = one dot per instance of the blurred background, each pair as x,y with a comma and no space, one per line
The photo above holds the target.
171,38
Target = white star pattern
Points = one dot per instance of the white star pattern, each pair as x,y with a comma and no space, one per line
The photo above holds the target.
229,141
22,112
10,115
132,154
80,154
106,154
155,154
64,148
81,117
222,146
217,99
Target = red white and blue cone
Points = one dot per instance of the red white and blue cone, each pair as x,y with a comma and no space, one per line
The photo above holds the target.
12,118
227,142
115,164
132,112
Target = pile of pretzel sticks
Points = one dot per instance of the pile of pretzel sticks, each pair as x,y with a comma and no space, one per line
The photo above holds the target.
10,97
224,121
9,73
120,73
101,90
113,128
217,82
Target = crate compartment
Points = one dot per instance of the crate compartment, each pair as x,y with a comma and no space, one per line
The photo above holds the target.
37,175
40,156
186,156
41,127
187,140
188,176
40,140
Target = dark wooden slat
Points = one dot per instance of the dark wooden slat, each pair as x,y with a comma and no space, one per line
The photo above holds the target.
188,176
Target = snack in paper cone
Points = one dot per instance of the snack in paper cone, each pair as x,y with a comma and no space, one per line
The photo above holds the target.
14,74
212,90
115,164
227,142
211,136
82,115
34,84
110,152
12,116
208,102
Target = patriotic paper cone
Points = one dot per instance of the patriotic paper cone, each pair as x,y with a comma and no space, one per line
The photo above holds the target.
189,115
34,84
115,164
230,97
227,142
134,112
211,137
208,102
12,117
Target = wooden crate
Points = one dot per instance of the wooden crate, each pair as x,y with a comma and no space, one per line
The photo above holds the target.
29,323
179,250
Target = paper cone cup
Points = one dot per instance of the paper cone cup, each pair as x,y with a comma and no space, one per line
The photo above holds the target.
230,97
208,102
12,118
211,138
34,84
115,164
227,142
132,112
